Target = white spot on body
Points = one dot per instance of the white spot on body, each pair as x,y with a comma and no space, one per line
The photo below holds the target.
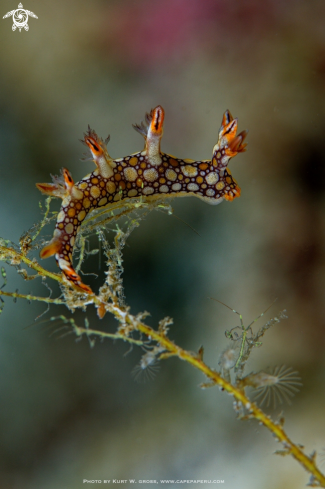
163,189
176,187
224,160
171,175
130,174
61,216
102,201
110,187
86,203
212,178
81,215
189,170
69,228
94,192
150,175
192,186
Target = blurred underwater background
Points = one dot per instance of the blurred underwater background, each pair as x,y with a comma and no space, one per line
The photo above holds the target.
70,412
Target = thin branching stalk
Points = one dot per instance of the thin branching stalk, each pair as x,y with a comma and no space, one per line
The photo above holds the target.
29,297
132,329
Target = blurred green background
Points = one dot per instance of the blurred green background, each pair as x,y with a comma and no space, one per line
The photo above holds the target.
69,412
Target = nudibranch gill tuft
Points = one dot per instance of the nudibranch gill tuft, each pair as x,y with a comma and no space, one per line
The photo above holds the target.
149,175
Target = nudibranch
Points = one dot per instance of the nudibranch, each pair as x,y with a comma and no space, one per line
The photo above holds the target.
148,174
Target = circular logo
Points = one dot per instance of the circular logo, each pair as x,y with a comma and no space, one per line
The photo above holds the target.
20,18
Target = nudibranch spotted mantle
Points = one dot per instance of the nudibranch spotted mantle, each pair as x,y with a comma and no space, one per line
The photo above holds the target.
149,174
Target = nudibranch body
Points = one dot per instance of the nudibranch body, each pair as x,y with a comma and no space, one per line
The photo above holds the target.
149,175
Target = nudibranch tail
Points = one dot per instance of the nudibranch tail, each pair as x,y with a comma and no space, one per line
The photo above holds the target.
149,175
73,277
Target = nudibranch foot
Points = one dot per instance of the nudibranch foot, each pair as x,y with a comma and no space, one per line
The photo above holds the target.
149,175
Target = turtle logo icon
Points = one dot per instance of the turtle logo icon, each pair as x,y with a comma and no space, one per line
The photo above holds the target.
20,18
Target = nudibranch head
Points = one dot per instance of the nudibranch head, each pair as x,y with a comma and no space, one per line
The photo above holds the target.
227,136
229,144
